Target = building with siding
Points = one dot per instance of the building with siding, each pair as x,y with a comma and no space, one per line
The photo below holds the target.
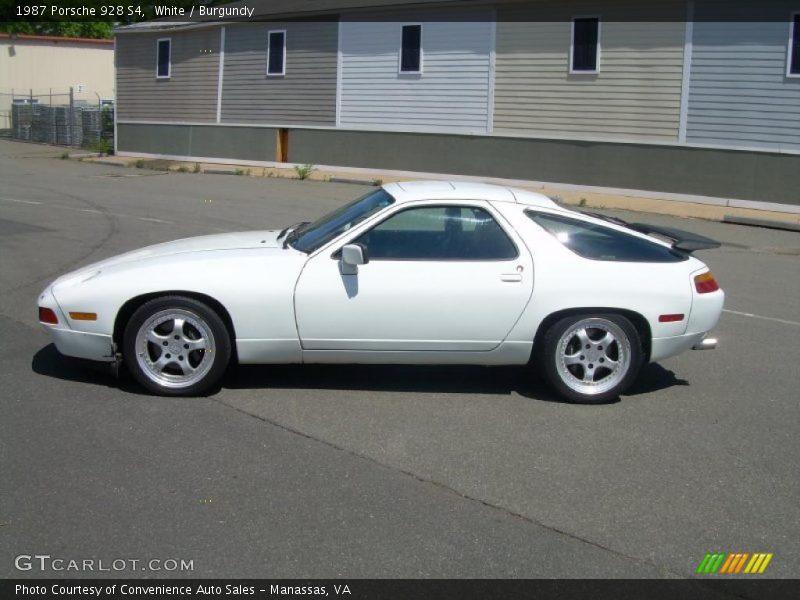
451,91
684,96
741,93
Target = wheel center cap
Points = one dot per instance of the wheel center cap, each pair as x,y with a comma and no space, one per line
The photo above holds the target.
175,348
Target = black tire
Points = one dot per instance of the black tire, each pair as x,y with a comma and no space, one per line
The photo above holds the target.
201,322
567,380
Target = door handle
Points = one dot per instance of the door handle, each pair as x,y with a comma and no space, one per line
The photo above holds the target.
512,277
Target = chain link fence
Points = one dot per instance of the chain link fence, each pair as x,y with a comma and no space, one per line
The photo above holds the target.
58,119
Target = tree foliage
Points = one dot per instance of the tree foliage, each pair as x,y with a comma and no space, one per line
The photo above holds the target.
82,29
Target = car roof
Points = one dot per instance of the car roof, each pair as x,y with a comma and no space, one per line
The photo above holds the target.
407,191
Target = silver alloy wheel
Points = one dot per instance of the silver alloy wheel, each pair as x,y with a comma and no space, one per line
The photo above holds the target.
594,355
175,348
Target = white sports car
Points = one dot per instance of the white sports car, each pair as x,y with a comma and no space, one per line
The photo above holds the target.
420,272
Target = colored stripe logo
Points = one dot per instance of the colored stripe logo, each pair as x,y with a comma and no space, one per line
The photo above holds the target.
734,563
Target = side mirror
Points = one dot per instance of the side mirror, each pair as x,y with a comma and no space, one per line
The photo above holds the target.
352,256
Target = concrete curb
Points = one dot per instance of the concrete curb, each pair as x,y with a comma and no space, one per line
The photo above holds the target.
680,205
761,223
370,182
103,161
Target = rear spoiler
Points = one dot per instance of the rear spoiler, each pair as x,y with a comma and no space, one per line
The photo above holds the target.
685,241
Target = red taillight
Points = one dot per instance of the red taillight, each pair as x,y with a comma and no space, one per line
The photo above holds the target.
670,318
705,283
46,315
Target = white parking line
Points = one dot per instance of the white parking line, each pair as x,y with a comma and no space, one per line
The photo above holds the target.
92,211
751,315
154,220
20,201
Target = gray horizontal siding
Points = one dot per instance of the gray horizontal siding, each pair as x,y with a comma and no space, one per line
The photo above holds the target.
636,94
451,94
190,94
739,94
306,94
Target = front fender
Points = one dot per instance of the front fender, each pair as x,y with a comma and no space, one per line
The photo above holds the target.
255,286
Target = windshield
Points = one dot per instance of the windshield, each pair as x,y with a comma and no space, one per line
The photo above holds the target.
309,238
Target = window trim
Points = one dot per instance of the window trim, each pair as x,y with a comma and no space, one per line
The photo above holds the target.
419,71
269,46
169,57
792,17
572,70
409,206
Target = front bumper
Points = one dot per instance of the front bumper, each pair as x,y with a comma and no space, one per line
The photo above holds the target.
69,342
92,346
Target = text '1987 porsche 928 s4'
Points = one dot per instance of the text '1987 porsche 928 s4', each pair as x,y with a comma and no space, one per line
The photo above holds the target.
411,273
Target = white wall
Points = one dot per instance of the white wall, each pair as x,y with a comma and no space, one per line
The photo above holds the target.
42,65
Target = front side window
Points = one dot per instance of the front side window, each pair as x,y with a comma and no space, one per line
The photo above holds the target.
411,49
439,233
597,242
164,59
585,52
793,68
276,53
317,234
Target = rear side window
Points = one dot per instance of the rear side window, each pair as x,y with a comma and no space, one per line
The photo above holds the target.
439,233
597,242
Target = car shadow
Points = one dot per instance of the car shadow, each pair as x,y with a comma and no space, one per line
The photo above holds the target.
501,380
385,378
50,363
653,378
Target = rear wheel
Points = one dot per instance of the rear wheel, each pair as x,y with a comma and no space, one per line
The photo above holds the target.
591,359
176,346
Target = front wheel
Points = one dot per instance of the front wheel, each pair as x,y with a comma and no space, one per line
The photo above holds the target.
176,346
591,359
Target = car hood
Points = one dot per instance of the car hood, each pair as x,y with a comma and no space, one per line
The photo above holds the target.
223,241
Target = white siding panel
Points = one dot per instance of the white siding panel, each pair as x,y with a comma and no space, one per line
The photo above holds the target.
451,94
739,94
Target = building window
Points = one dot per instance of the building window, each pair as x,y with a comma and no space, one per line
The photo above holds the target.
411,49
164,60
585,50
276,53
793,66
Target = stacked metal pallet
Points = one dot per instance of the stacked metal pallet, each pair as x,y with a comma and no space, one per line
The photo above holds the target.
62,125
92,124
68,129
21,121
43,124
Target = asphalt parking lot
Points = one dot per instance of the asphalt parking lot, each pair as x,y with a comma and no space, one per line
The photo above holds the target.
340,471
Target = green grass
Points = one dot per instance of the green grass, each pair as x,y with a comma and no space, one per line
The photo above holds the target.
304,171
101,146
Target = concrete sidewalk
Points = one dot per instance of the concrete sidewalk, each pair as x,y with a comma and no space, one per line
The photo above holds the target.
681,205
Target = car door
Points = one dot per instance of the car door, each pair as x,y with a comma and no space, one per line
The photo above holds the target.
439,277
